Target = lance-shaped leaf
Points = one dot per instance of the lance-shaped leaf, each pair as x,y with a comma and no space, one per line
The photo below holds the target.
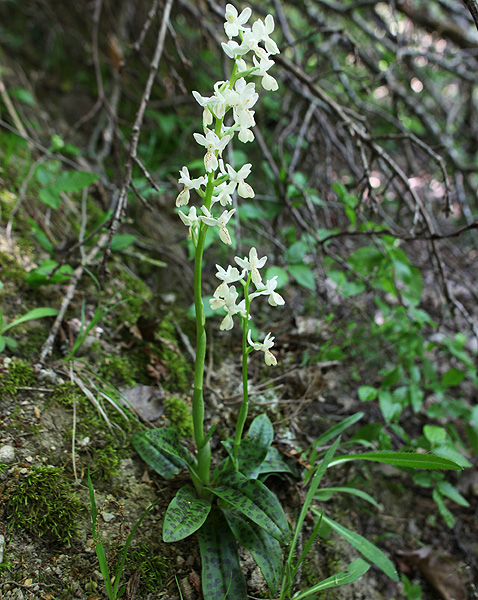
184,515
274,463
263,547
364,546
221,572
354,571
253,448
161,461
414,460
252,498
166,438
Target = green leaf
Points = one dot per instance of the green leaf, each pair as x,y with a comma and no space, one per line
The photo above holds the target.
337,429
355,570
452,455
446,514
10,342
325,494
121,241
390,409
415,397
367,393
364,546
274,463
452,377
263,547
318,473
254,446
40,236
36,313
434,434
40,275
447,489
24,96
3,343
184,515
413,460
167,439
222,576
158,459
50,197
294,255
73,181
256,501
304,276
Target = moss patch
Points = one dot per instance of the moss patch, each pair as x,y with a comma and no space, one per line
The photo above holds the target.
154,570
179,414
44,504
16,374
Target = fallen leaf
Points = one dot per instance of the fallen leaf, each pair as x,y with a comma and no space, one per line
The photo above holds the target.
441,570
146,400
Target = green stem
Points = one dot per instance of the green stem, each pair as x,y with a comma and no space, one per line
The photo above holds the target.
241,419
203,448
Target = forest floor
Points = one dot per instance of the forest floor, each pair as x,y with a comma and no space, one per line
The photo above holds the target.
50,434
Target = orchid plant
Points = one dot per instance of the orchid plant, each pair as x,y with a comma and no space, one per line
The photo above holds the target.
231,502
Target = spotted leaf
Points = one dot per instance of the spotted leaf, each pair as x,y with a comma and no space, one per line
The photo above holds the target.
221,572
252,498
184,515
164,463
274,463
167,439
263,547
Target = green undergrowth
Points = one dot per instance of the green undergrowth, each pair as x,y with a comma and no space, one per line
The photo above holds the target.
104,450
153,566
179,370
138,294
179,414
10,271
16,375
44,504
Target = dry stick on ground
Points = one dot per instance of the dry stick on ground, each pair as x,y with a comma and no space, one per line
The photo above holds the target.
472,6
75,278
123,197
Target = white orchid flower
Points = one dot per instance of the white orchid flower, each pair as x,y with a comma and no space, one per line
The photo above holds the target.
262,31
247,93
225,297
237,177
233,49
252,264
275,299
268,82
213,144
241,65
245,135
191,220
235,22
265,347
189,184
229,275
224,196
221,222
